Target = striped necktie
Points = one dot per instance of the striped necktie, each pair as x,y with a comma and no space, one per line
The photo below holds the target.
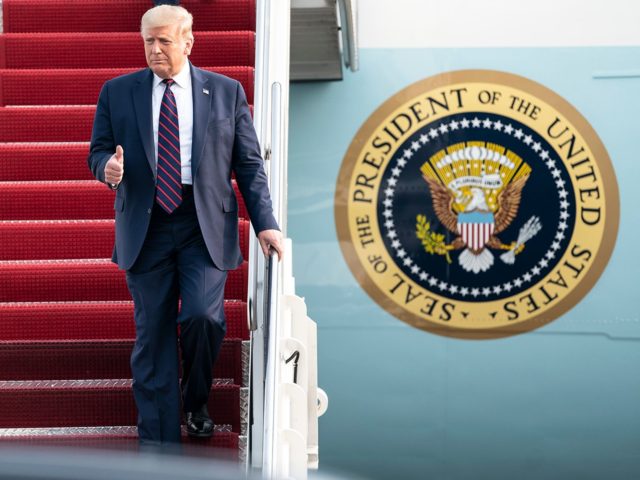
169,186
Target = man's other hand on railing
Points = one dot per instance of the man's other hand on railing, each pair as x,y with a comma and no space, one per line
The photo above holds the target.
271,239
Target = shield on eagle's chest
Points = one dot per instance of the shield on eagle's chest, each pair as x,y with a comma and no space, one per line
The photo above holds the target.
476,228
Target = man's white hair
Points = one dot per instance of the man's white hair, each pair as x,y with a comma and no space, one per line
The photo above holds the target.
164,15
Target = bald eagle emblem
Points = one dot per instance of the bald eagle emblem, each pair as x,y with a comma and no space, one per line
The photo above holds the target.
476,188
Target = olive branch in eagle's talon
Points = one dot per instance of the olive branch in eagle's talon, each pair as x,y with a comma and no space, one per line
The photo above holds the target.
432,242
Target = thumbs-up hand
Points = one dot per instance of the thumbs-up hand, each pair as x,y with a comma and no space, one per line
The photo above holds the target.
114,169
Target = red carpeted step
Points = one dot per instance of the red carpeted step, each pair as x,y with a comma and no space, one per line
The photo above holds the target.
125,438
34,161
244,230
88,50
81,280
88,359
85,403
37,321
81,86
57,239
115,16
81,199
55,200
46,124
223,445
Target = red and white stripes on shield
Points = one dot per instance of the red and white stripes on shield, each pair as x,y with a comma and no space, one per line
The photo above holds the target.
476,235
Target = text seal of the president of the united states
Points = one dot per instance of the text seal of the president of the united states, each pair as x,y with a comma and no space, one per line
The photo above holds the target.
477,204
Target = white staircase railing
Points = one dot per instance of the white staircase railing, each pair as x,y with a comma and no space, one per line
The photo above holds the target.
348,11
284,405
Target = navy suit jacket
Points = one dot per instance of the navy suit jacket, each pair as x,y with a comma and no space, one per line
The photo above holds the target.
223,140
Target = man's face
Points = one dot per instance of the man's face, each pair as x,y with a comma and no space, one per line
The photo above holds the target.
166,50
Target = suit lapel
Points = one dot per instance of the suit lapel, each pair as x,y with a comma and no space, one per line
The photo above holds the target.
202,100
144,116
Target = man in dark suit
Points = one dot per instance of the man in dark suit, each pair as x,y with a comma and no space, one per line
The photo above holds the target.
167,139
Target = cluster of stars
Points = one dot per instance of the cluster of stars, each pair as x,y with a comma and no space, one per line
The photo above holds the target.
404,257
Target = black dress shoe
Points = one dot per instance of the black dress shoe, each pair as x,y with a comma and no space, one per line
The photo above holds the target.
199,424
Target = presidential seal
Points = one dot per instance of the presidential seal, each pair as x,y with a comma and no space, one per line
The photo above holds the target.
476,204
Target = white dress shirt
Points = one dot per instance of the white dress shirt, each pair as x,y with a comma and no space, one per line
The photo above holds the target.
182,92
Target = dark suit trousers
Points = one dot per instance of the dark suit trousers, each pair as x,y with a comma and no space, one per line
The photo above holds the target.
174,264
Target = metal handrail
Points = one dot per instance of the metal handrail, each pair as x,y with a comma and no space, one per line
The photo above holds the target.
349,30
270,120
256,274
276,177
272,293
270,373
